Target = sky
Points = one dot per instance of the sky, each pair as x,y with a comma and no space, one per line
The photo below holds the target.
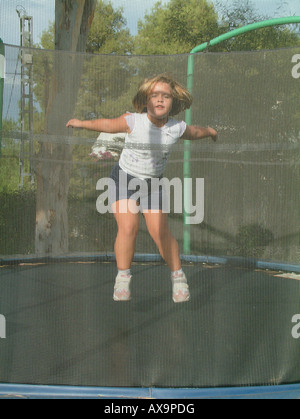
43,13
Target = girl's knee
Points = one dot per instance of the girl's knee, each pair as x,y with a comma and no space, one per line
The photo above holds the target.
159,235
129,229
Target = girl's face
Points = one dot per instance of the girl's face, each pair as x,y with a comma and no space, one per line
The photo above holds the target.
160,101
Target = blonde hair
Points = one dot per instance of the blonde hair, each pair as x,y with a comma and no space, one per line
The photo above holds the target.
182,98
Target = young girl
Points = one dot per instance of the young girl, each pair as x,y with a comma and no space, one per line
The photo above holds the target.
157,100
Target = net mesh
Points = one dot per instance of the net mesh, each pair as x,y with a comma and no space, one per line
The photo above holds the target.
49,173
60,323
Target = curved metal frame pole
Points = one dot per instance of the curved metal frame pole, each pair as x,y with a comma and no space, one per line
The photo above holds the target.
190,81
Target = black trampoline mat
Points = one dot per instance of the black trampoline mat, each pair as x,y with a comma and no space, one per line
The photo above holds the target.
63,327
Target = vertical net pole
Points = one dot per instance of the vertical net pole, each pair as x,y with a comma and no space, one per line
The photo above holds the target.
190,76
187,164
2,70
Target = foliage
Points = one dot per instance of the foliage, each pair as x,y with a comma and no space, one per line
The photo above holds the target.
242,13
256,97
47,38
108,34
9,162
107,87
253,239
181,25
176,27
18,219
17,222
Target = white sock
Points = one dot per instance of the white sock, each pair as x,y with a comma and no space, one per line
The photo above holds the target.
177,273
125,273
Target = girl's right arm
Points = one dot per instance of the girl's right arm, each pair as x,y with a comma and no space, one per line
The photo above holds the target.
110,126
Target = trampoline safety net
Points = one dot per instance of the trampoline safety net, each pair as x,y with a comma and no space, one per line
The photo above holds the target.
59,324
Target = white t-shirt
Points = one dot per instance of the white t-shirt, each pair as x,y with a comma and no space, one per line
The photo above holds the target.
147,147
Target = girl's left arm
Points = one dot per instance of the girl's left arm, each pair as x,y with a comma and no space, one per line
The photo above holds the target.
193,133
110,126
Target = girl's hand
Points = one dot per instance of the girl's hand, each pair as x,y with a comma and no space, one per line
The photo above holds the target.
193,133
214,135
74,123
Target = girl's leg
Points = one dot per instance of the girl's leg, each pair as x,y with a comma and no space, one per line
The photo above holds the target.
128,226
158,227
157,223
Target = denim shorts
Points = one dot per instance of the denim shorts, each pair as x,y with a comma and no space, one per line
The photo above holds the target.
148,193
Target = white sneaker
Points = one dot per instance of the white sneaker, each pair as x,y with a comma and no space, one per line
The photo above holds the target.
181,292
122,288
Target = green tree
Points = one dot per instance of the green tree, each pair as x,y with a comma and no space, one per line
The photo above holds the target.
72,25
242,13
176,27
180,25
108,33
9,163
105,81
47,38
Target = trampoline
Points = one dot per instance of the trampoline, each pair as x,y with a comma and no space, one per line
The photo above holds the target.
237,337
64,329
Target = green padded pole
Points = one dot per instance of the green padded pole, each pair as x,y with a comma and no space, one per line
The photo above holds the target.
190,80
